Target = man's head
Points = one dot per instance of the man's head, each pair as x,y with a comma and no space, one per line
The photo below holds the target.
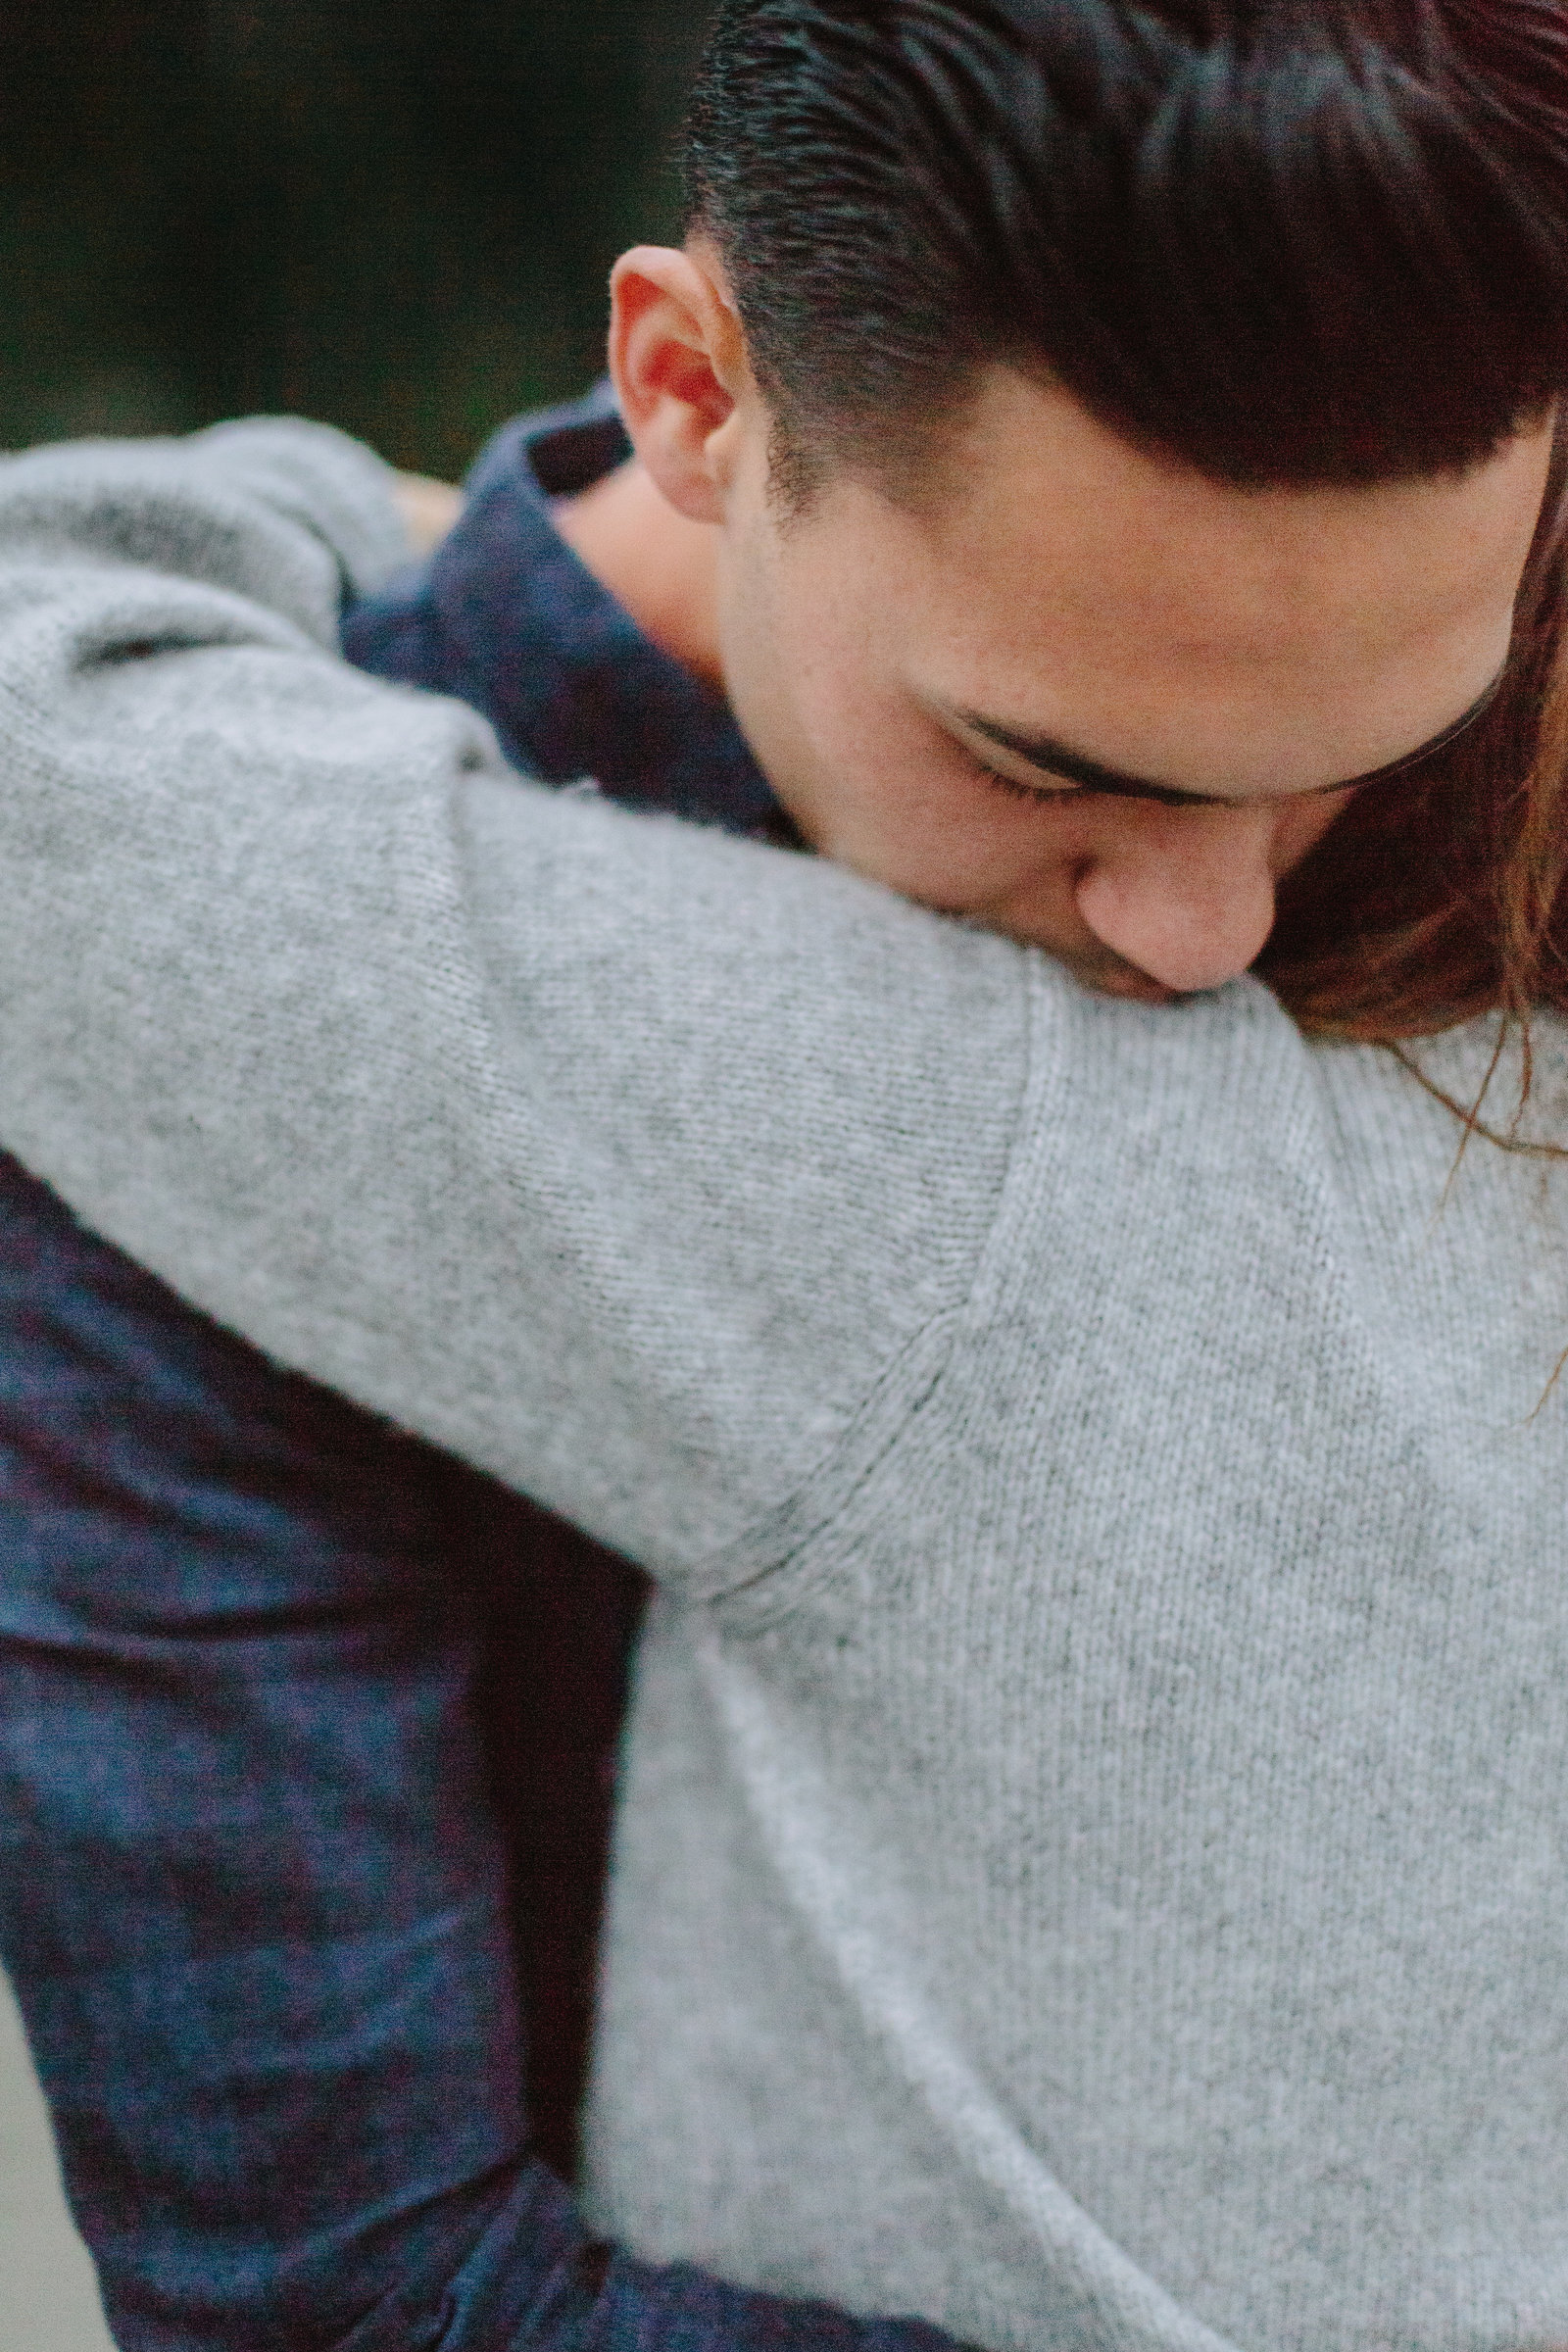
1172,386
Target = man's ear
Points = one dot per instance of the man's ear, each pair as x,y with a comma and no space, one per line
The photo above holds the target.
678,358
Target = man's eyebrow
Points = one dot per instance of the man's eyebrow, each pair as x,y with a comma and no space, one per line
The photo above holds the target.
1059,759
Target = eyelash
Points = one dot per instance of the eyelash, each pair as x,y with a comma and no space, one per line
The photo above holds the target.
1030,792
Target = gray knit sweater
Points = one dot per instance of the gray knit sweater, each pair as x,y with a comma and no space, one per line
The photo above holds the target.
1094,1862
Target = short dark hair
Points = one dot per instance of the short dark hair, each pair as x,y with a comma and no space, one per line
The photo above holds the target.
1286,241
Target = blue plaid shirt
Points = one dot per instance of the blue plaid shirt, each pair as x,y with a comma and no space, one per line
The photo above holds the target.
305,1730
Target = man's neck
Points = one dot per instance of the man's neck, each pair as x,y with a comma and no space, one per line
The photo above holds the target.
662,568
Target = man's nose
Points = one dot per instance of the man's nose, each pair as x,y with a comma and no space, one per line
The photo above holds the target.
1188,896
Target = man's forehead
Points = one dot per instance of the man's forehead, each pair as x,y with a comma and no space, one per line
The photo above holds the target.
1039,498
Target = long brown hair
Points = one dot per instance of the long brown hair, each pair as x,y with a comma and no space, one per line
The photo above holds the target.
1445,894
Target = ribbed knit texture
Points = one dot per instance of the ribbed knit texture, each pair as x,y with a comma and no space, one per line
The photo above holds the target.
1093,1864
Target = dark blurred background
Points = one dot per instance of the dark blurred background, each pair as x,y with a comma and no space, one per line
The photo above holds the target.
398,217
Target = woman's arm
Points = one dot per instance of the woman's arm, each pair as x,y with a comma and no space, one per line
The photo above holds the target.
628,1161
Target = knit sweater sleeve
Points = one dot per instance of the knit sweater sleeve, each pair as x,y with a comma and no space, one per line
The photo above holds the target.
648,1169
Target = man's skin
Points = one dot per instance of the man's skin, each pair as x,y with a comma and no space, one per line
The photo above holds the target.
1255,648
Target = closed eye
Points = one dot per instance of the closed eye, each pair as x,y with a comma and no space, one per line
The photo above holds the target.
1019,791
